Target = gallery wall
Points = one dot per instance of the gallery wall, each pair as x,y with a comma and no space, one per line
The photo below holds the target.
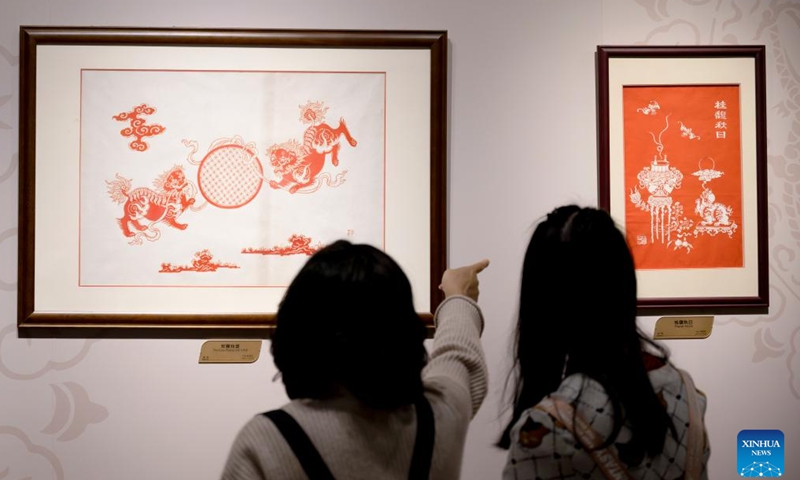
522,140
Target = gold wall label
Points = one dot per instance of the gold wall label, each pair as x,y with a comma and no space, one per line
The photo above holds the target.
230,351
683,327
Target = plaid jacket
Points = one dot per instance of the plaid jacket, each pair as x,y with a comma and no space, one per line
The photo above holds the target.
544,449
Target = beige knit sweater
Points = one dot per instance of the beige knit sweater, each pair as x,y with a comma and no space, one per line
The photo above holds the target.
357,442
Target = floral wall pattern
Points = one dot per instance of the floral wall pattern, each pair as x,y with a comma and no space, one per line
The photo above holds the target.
776,25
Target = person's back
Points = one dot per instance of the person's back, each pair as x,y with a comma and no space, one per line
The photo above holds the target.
594,397
349,346
542,447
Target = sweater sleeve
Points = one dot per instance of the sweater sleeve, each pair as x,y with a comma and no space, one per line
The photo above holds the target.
457,355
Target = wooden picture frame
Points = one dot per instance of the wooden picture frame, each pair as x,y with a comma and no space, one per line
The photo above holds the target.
237,92
682,170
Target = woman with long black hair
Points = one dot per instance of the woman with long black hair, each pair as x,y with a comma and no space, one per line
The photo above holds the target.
594,398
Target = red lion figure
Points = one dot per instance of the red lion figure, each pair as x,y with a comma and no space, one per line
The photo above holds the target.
171,197
298,166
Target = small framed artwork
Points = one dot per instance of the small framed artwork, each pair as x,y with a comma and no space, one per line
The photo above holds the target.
173,181
682,170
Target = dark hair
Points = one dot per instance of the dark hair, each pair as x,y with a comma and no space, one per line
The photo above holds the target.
577,314
348,321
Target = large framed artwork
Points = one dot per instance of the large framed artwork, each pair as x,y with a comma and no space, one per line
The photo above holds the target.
682,170
175,180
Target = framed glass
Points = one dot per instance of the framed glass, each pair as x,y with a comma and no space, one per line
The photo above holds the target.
173,181
682,169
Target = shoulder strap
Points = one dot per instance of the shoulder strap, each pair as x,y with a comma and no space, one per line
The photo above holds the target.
605,458
314,465
301,445
423,445
694,437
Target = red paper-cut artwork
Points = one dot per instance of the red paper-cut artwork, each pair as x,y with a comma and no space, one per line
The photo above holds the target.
139,129
229,134
203,261
297,168
230,174
144,208
298,245
683,176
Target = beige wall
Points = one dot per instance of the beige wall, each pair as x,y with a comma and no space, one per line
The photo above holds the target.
522,140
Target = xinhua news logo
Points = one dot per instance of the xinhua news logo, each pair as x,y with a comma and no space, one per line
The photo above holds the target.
760,453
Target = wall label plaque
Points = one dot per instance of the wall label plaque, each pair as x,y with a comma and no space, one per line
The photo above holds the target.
683,327
230,351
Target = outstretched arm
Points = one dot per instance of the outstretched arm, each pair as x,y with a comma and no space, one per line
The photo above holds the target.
457,355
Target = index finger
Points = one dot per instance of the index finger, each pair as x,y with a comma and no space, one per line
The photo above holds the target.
480,266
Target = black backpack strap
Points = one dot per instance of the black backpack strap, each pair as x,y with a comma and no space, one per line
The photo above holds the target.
315,467
301,445
423,446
